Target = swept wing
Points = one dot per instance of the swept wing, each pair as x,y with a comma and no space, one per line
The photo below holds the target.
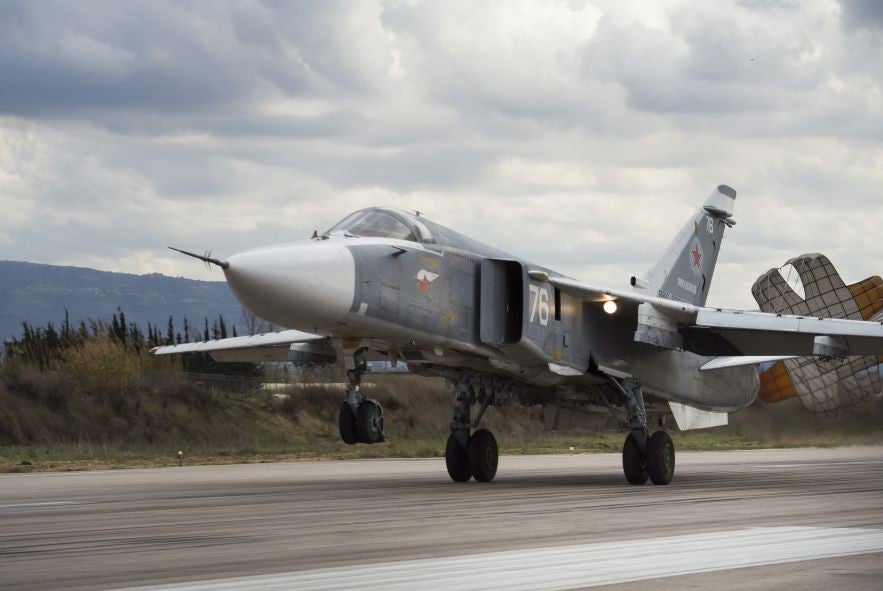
287,345
731,333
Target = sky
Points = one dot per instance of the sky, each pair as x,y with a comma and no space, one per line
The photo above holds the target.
580,135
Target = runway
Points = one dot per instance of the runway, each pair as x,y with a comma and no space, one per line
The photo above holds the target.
769,519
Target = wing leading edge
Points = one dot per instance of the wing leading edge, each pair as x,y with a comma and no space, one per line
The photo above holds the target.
287,345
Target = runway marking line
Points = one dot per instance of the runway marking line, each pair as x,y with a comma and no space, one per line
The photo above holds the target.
41,504
817,464
571,567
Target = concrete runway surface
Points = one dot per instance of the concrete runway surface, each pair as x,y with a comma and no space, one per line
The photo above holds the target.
770,519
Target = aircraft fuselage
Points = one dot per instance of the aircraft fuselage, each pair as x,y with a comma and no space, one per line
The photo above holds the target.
449,302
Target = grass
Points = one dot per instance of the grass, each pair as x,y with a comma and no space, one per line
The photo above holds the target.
86,457
67,419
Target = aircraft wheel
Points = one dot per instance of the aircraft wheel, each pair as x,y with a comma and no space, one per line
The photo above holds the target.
633,462
661,458
369,422
483,455
346,424
456,460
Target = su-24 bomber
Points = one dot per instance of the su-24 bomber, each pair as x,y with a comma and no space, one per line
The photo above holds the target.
387,285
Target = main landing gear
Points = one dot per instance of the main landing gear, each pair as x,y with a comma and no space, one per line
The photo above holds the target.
644,455
360,419
476,455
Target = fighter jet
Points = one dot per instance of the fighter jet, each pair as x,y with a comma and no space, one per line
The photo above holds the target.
385,284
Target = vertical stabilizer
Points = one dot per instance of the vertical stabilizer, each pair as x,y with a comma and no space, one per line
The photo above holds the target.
684,272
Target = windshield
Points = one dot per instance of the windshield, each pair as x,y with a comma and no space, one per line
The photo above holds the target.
374,223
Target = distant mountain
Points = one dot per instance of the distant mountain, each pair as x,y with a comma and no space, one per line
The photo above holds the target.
41,293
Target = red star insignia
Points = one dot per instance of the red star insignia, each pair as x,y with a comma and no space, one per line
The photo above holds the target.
697,258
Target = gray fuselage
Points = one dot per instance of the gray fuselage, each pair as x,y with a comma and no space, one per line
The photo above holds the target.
421,293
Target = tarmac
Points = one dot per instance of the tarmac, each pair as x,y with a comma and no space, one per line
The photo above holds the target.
767,519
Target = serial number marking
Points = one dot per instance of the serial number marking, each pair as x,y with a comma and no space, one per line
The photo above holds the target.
670,296
539,304
684,284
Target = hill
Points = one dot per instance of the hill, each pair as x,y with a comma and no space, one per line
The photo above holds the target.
41,293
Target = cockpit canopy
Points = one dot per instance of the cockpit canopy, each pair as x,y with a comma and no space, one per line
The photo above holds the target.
383,223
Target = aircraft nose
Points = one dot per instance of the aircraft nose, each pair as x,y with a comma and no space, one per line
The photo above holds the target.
306,286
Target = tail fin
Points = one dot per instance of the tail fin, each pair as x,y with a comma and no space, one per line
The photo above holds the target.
684,272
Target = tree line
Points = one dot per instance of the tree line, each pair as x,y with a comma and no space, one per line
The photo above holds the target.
42,345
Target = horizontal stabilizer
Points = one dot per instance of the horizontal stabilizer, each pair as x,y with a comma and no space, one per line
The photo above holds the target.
724,361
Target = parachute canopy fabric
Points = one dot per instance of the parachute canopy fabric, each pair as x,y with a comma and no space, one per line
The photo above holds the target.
823,386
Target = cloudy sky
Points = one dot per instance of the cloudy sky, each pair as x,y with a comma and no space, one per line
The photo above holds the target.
577,134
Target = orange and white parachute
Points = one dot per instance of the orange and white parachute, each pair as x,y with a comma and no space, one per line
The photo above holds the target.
809,285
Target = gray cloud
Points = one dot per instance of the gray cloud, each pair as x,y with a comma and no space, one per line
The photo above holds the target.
862,14
579,134
61,58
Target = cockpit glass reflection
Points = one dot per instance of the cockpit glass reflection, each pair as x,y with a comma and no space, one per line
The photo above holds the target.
377,224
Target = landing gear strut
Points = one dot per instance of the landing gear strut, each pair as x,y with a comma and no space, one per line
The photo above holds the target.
475,455
644,455
360,419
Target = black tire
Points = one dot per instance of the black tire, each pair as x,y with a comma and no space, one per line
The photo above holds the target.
661,458
369,422
483,455
456,460
634,465
346,424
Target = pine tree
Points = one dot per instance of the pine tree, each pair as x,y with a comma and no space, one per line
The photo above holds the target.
66,326
124,328
115,327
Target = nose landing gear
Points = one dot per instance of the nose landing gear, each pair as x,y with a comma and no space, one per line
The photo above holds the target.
360,419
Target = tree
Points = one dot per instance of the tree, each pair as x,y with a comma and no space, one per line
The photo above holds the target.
255,325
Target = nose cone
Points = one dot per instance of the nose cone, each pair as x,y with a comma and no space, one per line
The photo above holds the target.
307,286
